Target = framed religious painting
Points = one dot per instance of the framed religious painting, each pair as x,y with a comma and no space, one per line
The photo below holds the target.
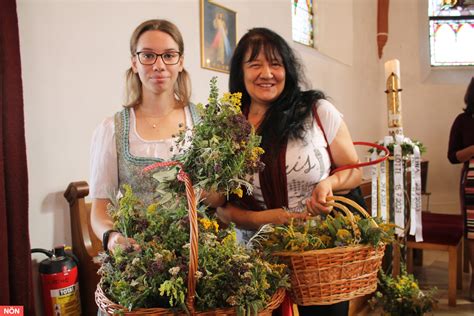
218,36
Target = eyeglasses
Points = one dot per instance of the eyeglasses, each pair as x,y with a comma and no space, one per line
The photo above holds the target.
149,58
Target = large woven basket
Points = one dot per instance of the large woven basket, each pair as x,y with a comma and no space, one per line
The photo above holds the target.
110,308
328,276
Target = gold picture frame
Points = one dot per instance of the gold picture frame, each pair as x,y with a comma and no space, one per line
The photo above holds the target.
218,36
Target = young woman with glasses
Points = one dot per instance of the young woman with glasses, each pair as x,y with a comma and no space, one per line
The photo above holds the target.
157,108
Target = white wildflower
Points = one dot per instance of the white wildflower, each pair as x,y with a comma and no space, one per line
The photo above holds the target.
174,270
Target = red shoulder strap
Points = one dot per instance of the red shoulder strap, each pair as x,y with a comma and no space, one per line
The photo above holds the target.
318,120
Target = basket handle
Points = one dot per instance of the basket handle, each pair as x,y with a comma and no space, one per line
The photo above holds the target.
333,201
193,233
349,214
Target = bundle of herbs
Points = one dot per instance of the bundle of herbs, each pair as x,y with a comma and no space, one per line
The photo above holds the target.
155,275
224,149
401,295
322,232
219,154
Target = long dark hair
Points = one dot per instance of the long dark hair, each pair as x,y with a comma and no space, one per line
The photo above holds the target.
469,98
285,117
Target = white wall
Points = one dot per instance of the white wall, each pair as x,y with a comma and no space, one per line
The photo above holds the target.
69,88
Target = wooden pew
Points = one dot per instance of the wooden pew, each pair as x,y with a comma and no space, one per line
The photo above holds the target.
85,244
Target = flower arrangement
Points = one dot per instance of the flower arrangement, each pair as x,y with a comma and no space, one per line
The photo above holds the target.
402,296
323,232
223,151
224,147
407,145
155,275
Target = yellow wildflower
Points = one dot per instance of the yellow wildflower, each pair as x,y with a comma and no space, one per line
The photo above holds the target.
325,239
233,100
216,225
229,239
206,223
238,191
256,152
343,234
151,209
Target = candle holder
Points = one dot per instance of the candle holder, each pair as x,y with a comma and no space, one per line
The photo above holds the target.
395,126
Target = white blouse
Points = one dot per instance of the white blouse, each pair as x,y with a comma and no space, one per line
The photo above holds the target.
103,153
307,159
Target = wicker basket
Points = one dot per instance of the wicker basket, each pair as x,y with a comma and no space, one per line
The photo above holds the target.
111,308
328,276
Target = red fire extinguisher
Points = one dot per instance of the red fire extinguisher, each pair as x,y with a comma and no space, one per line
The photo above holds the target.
59,282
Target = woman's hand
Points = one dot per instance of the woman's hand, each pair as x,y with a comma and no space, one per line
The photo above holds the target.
212,199
282,216
317,202
116,239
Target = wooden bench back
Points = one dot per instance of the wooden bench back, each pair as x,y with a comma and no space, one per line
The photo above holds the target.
85,244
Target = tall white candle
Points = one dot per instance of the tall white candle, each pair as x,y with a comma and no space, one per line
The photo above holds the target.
393,97
392,66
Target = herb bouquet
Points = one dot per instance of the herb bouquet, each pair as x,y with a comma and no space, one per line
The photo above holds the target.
186,263
401,295
155,279
332,259
224,148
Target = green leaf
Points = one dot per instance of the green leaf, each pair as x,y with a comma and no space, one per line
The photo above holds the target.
166,175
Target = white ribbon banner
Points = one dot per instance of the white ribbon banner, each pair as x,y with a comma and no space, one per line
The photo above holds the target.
374,175
415,211
398,191
383,190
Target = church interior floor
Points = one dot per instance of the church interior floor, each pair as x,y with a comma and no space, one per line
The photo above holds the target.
434,272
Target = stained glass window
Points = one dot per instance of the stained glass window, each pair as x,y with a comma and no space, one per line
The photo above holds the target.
302,21
451,32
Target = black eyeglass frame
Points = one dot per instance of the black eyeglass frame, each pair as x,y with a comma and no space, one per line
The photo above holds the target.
156,57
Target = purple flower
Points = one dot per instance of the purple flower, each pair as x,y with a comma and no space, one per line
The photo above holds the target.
217,168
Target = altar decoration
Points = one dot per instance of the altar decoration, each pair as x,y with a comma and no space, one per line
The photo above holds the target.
389,180
333,258
401,295
394,102
389,183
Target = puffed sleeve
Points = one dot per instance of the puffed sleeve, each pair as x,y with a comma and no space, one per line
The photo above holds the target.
455,140
103,164
330,118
